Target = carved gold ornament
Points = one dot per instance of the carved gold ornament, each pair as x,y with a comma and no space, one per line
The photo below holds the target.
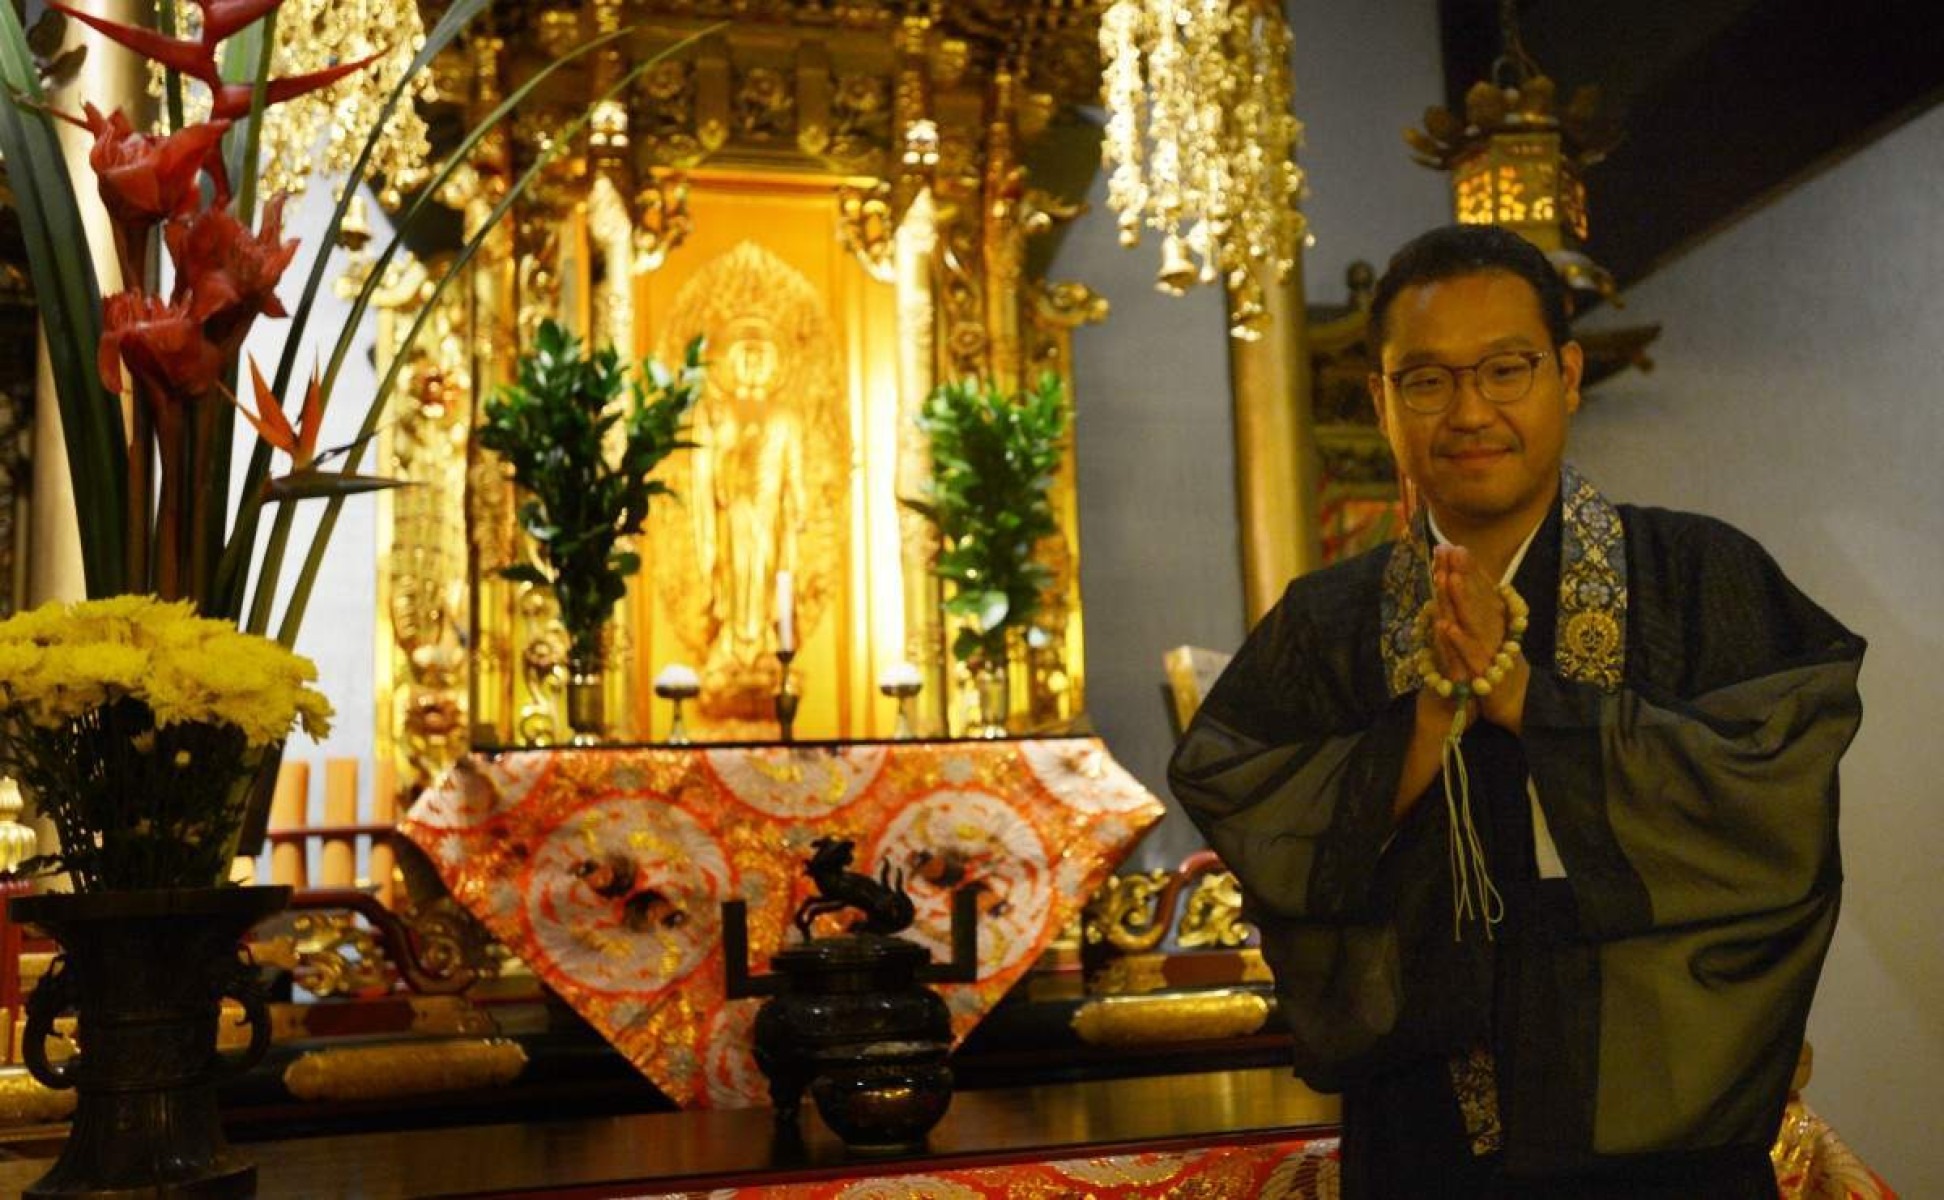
661,221
404,1069
866,227
1126,913
1212,914
312,35
1185,1017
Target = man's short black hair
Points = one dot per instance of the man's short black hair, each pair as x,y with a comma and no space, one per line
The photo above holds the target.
1455,250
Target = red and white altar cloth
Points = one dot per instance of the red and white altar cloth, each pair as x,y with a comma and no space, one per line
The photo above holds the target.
605,869
1294,1169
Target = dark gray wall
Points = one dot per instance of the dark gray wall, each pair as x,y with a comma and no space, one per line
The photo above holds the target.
1796,396
1159,561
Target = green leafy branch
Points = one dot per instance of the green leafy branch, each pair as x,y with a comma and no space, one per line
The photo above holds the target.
554,428
993,462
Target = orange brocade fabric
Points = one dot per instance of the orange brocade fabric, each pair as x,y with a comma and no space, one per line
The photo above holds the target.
605,869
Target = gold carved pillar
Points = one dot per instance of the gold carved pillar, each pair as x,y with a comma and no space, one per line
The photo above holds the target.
490,529
1056,684
962,338
1004,237
1275,448
915,244
610,223
915,254
422,660
986,312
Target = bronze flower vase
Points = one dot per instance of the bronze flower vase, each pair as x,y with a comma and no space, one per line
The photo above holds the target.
586,697
146,972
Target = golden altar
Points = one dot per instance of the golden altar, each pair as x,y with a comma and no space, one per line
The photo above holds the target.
839,198
853,203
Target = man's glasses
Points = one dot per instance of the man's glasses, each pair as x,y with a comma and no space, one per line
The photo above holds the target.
1503,378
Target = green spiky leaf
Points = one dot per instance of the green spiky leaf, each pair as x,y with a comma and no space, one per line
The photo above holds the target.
993,461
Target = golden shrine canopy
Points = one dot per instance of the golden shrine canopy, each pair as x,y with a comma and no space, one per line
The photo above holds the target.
838,197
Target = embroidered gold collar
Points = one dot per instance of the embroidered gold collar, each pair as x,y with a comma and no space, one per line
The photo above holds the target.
1591,643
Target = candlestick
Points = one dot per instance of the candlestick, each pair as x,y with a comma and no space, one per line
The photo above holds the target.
786,698
785,614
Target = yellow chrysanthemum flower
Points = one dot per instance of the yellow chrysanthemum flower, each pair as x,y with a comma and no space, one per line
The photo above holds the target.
60,662
20,665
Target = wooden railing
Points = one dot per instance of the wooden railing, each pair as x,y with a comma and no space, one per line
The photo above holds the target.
345,820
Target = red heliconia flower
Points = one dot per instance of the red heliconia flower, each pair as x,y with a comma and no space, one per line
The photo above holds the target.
273,424
195,59
221,18
232,100
228,275
163,346
147,178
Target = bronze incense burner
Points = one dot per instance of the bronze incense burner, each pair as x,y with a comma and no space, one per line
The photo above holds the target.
849,1017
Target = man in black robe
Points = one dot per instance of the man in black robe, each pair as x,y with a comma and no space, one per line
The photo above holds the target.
1554,933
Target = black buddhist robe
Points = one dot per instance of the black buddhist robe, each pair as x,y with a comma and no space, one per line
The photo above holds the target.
1628,1029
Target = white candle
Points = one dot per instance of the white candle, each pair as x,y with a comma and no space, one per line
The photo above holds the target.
785,613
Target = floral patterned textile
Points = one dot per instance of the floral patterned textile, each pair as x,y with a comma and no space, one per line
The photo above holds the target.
605,869
1813,1163
1301,1169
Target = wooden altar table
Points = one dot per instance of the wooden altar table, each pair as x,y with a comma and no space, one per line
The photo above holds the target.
605,869
1218,1136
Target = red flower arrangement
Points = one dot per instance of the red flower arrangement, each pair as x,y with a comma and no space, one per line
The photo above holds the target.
181,350
148,784
152,488
177,349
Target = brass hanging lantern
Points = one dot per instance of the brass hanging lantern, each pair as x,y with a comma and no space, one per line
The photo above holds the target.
1517,159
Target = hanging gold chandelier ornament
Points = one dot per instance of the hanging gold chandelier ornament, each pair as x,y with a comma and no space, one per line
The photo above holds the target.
321,133
1201,142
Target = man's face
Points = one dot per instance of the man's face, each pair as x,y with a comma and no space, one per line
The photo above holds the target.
1478,464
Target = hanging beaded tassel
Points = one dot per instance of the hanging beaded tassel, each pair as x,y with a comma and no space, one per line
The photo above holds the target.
1473,894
